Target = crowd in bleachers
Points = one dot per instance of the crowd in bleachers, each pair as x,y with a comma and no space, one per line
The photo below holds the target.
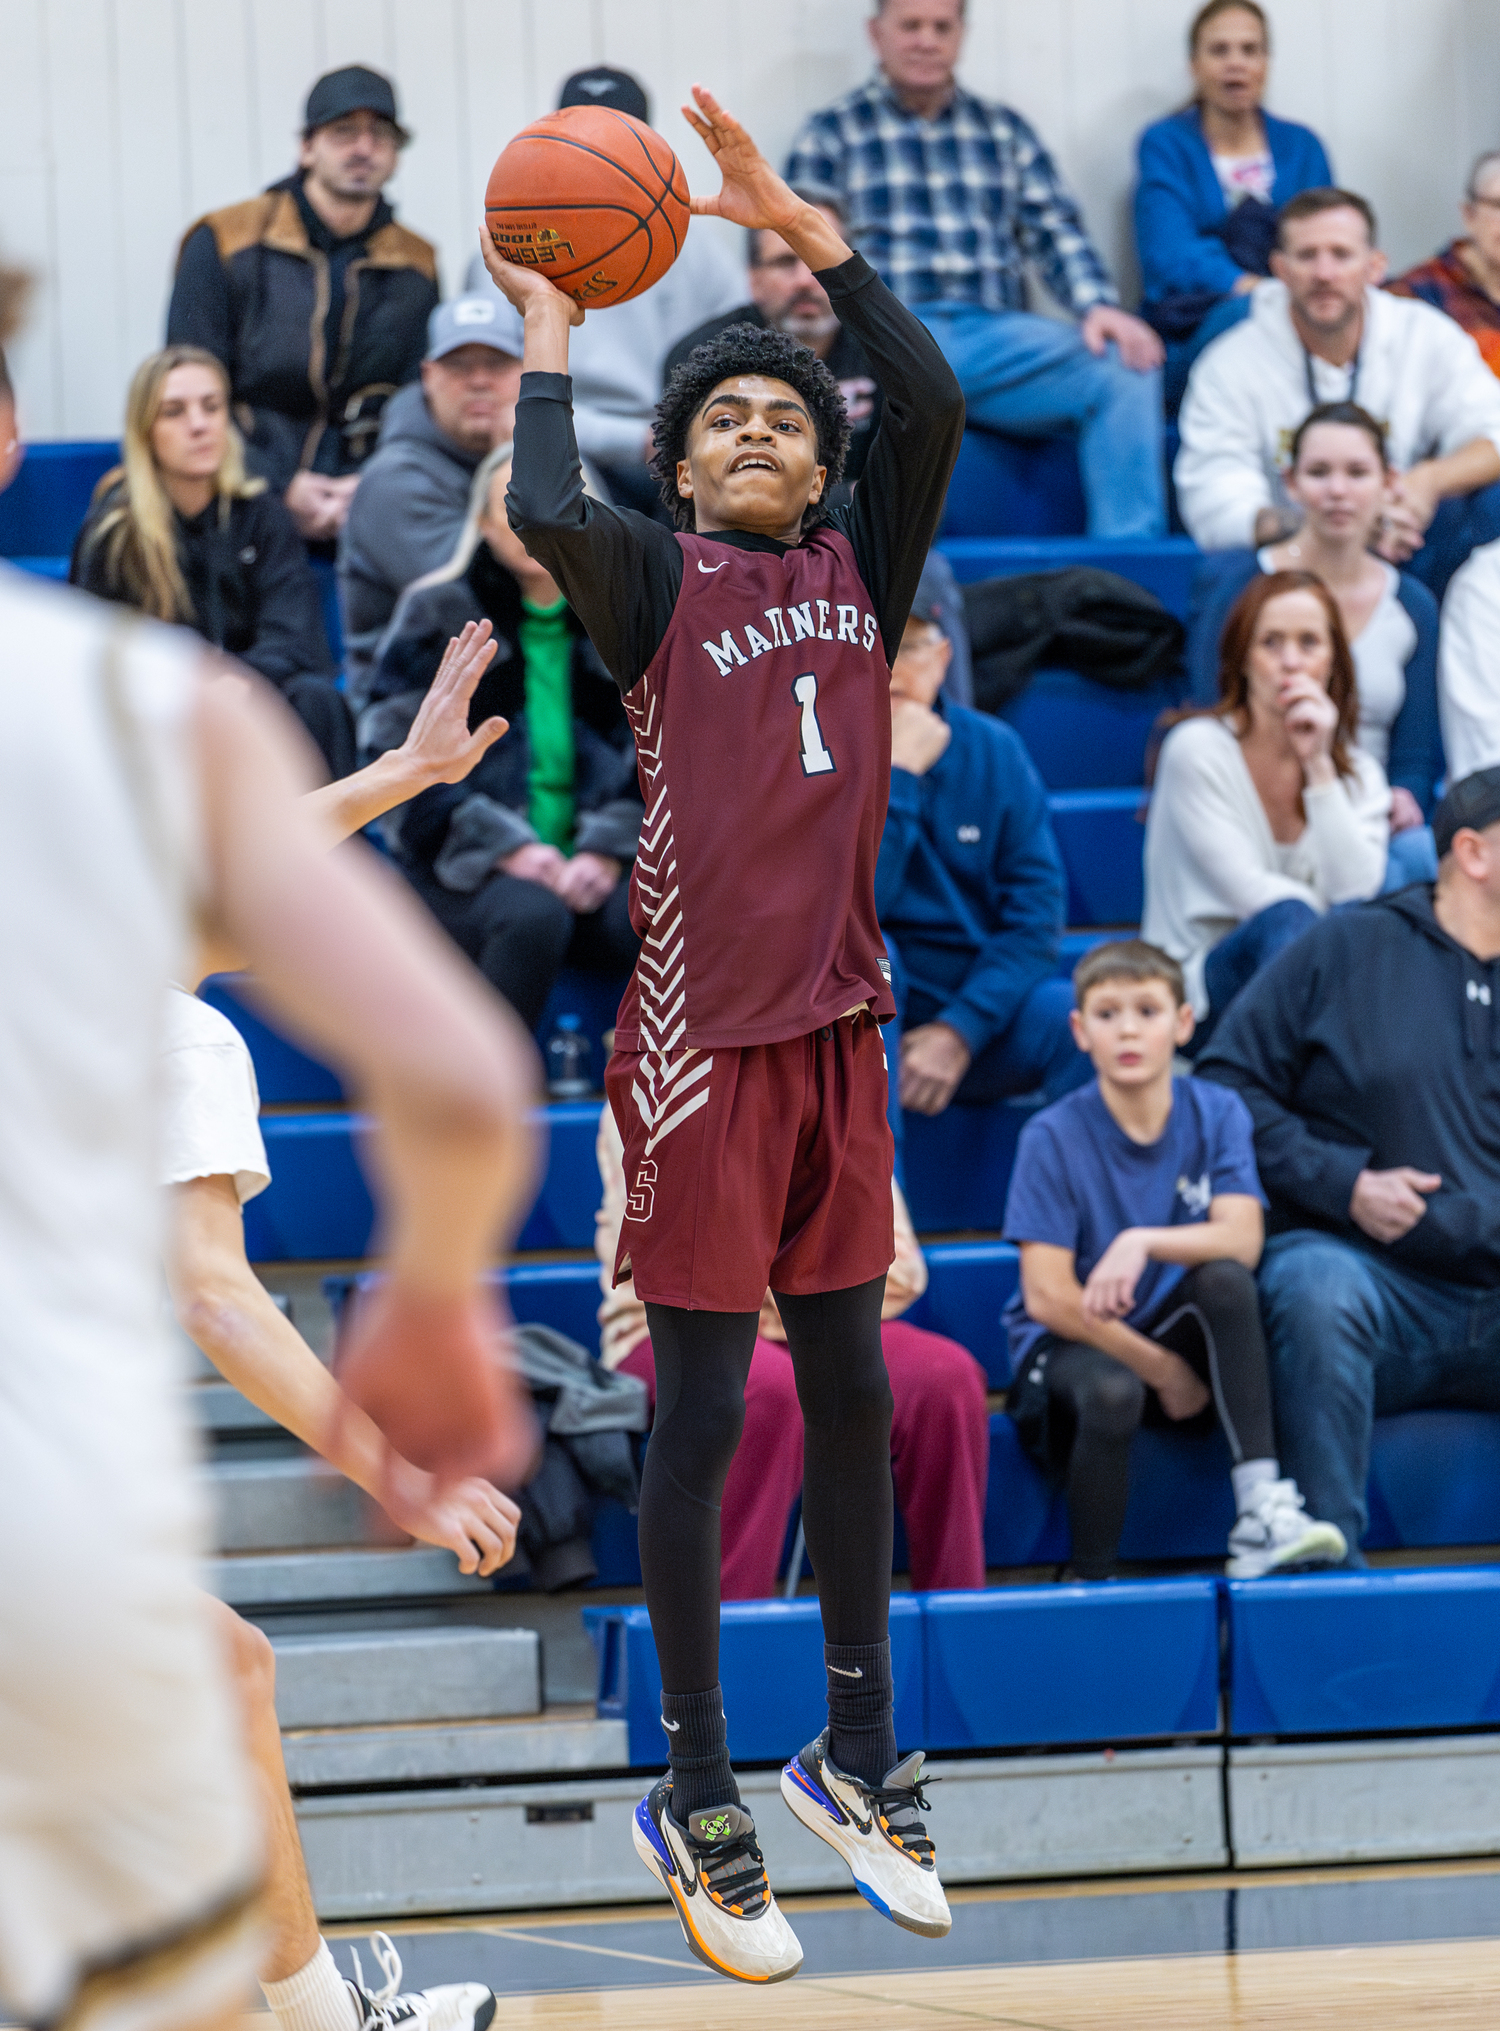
318,408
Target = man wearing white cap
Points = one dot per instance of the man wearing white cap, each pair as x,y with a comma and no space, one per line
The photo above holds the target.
414,493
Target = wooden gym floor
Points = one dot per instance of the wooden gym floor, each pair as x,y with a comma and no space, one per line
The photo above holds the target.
1358,1949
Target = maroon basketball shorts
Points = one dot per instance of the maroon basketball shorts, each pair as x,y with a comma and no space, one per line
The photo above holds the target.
765,1165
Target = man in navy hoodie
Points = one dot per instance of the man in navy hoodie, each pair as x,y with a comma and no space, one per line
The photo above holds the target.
971,897
1369,1056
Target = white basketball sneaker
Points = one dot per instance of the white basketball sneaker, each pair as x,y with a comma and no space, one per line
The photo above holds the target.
1276,1532
716,1879
455,2006
878,1830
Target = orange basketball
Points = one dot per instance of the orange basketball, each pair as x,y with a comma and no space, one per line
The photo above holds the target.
594,200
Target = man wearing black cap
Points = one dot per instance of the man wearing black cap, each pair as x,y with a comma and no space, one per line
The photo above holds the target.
315,300
1368,1053
617,360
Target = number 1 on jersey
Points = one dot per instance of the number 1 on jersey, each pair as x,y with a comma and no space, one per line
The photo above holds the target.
816,760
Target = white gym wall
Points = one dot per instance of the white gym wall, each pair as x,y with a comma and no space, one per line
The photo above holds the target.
123,120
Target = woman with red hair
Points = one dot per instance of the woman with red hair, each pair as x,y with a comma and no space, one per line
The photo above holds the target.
1264,811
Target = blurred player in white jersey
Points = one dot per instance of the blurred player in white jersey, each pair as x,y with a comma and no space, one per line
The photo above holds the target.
134,799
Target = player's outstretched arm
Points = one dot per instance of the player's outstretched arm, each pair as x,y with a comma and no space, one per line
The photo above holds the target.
350,961
753,195
226,1310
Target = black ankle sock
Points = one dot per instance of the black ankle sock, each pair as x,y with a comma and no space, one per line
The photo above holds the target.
861,1709
698,1750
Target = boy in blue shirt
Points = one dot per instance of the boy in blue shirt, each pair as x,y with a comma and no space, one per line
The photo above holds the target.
1137,1210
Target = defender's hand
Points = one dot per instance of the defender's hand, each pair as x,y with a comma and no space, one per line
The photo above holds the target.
471,1519
440,747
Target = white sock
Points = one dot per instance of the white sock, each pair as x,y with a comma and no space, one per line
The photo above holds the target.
1247,1477
316,1998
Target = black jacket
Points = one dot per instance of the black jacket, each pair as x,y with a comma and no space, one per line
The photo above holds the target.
316,333
456,832
247,575
1370,1042
846,362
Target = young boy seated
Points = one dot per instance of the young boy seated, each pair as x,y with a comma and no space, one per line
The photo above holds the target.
1137,1210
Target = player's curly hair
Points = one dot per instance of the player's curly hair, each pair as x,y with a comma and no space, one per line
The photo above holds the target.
748,349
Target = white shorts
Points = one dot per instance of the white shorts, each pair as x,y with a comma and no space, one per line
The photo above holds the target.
129,1838
210,1114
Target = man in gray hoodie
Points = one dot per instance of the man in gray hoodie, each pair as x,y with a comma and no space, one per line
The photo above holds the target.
413,494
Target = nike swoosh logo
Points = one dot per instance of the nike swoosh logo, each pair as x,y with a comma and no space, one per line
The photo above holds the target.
846,1674
671,1726
710,569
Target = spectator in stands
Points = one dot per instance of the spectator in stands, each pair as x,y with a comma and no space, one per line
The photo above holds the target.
617,362
1264,812
786,296
526,863
1464,280
1469,666
971,897
1376,1141
1210,178
1137,1211
1324,331
178,531
949,197
1338,477
315,300
940,1437
414,493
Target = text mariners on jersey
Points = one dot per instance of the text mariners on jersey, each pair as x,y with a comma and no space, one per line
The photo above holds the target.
832,624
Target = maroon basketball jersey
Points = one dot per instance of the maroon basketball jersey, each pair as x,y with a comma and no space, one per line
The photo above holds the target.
763,731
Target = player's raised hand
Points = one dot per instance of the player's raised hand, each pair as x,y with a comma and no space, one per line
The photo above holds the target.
525,287
440,746
471,1518
753,195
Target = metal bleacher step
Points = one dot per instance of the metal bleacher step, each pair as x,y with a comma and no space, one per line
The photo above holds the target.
384,1676
557,1742
295,1504
271,1581
220,1411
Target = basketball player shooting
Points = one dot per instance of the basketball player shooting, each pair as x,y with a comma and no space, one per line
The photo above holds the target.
752,648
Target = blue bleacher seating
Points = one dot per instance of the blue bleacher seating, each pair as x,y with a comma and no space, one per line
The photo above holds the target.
957,1164
1365,1653
1014,486
771,1669
283,1072
42,509
1163,565
969,1284
1435,1479
1017,1667
1082,735
1101,839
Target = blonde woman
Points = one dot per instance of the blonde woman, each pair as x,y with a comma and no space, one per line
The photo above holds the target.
179,531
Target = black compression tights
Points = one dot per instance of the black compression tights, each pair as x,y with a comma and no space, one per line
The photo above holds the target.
702,1360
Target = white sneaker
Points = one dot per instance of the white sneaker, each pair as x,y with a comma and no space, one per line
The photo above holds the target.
716,1879
878,1831
457,2006
1276,1532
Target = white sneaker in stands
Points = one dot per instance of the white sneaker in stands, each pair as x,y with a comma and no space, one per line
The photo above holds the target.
1276,1532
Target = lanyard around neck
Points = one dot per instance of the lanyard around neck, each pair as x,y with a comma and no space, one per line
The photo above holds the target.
1312,392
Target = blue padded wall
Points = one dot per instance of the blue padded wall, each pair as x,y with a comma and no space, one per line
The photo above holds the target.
1435,1479
1084,736
1164,567
42,509
1365,1653
563,1295
283,1072
957,1164
1014,486
1101,839
969,1284
771,1669
1022,1667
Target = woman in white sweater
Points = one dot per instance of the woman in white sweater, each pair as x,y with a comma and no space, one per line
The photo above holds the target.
1264,812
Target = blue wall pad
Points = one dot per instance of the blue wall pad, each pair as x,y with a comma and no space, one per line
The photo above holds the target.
42,509
1365,1653
1082,735
595,999
1022,1667
283,1072
1073,945
563,1295
1435,1479
958,1164
1015,486
563,1216
1025,1517
771,1669
1102,840
55,568
1164,567
1181,1502
969,1283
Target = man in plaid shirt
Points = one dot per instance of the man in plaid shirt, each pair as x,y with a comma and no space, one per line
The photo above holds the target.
948,197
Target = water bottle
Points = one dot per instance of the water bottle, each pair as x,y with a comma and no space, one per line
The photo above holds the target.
568,1060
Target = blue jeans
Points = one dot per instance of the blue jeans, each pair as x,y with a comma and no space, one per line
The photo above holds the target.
1352,1337
1028,376
1411,857
1235,960
1181,353
1459,526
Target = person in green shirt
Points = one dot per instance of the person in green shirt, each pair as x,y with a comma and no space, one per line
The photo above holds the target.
527,863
